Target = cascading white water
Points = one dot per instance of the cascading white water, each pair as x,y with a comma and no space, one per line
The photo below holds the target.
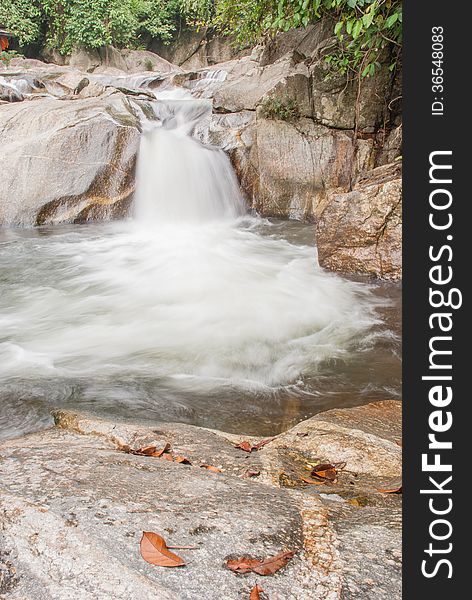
191,292
180,180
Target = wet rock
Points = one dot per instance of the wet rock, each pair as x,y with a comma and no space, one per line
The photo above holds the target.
360,231
79,156
9,93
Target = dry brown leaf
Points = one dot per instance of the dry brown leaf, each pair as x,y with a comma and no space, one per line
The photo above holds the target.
246,446
167,457
148,450
155,551
242,565
325,471
397,490
269,566
163,450
256,592
211,468
182,460
311,481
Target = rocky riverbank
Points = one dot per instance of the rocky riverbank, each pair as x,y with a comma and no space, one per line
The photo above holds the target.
304,144
74,503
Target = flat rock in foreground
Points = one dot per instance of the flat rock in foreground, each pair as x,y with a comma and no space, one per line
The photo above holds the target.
74,505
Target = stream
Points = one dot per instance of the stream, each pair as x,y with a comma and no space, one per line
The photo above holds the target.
191,310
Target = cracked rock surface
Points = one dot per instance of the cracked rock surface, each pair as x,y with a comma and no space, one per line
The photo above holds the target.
73,506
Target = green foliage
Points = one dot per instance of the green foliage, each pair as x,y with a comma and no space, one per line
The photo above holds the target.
23,17
90,23
362,29
285,110
7,56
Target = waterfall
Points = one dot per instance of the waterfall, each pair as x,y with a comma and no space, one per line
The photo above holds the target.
192,308
178,178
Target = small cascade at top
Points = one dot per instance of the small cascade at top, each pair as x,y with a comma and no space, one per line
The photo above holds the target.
178,178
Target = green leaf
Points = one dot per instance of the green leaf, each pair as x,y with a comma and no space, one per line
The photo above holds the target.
367,19
338,28
391,20
356,29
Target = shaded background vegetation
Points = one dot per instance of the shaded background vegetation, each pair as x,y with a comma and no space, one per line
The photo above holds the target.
363,28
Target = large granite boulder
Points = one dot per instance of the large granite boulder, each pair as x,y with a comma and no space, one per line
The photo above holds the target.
360,231
67,160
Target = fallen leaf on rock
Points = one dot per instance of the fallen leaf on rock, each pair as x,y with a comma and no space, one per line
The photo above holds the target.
311,481
182,460
155,551
163,450
242,565
251,473
269,566
166,456
325,471
302,434
256,592
273,564
211,468
147,450
397,490
246,446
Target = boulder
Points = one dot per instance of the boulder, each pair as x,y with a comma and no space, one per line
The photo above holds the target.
295,165
345,103
9,92
199,47
247,84
305,40
360,231
67,160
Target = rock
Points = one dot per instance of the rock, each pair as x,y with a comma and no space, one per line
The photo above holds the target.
341,104
84,59
392,147
185,50
9,93
247,83
79,157
132,61
360,231
198,47
295,165
74,506
306,41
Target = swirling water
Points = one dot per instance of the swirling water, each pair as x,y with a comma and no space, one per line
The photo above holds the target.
191,311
